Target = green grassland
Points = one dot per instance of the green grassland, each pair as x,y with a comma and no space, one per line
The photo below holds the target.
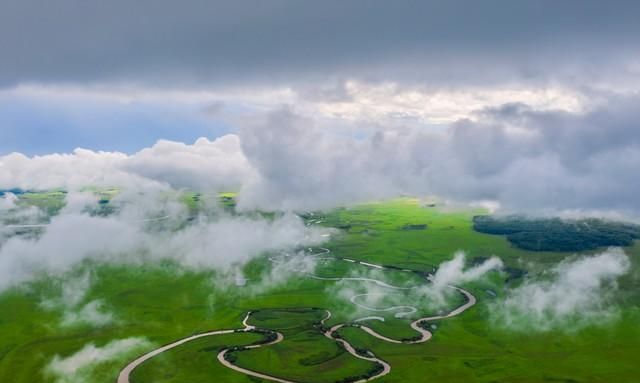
163,302
316,358
194,361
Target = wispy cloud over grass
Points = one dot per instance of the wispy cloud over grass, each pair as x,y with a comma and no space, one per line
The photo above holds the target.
216,240
72,303
574,294
94,361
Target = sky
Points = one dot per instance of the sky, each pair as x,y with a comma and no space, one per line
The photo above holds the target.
529,106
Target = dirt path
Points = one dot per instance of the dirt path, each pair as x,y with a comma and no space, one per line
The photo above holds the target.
125,373
386,368
426,334
124,376
226,363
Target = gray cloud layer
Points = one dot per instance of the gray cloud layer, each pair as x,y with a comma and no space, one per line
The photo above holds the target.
438,41
524,159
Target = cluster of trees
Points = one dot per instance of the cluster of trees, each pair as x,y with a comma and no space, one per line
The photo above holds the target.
425,325
362,351
320,327
269,336
411,339
230,356
555,234
414,226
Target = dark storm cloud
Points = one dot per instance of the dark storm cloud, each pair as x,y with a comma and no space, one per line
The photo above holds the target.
161,41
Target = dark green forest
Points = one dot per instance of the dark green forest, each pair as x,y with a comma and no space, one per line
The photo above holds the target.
555,234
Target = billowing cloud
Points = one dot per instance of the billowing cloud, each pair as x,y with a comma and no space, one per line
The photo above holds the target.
454,272
205,165
300,166
523,159
514,156
575,294
80,168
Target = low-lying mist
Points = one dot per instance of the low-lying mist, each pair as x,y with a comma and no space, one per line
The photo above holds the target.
84,365
575,293
148,227
417,296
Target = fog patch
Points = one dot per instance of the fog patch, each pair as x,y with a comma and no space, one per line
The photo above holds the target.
69,239
378,293
75,308
453,272
282,268
299,264
79,201
574,294
235,240
93,361
364,291
149,231
7,202
93,313
12,213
